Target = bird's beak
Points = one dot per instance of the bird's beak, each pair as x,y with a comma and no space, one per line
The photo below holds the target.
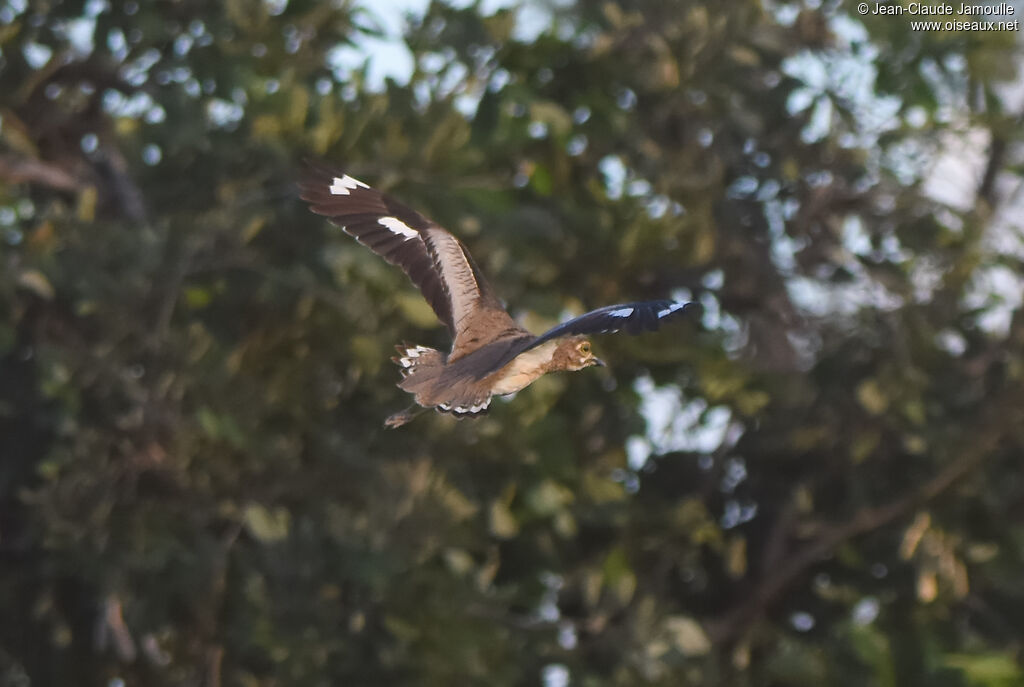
594,360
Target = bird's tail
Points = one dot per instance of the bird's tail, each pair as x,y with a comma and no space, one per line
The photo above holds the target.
418,361
422,368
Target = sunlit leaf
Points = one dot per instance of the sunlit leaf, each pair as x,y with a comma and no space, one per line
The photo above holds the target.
269,525
687,635
986,669
871,397
503,523
36,282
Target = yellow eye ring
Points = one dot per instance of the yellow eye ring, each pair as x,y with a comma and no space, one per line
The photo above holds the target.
584,347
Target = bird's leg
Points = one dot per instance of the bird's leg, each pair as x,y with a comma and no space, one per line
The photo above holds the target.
400,418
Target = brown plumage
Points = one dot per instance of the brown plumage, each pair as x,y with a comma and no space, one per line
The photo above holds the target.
491,354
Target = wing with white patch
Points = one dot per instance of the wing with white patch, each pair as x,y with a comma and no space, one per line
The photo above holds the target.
435,261
634,318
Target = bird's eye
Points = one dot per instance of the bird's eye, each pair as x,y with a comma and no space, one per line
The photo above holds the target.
584,347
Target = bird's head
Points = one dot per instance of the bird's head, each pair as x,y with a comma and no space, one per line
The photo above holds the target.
575,354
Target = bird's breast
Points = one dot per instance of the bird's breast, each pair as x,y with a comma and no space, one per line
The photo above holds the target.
523,369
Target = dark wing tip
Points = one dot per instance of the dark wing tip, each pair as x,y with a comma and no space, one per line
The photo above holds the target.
650,315
634,318
332,192
314,178
379,222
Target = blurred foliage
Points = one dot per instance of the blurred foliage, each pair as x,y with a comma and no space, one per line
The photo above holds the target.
819,484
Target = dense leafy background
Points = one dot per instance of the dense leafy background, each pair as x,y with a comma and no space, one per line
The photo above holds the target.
823,479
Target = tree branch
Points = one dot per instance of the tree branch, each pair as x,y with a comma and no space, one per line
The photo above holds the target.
735,622
19,170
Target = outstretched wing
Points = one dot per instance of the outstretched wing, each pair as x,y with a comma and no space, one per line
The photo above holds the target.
635,318
632,317
435,261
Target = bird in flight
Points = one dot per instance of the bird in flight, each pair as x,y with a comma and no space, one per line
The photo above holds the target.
491,354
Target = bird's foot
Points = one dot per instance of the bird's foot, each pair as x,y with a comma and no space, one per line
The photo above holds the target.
401,418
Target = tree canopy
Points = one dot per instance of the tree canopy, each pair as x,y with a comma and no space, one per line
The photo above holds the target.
817,483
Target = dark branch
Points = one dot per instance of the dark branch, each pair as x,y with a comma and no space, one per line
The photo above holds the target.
19,170
735,622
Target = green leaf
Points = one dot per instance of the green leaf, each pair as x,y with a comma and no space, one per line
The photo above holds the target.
871,397
269,525
541,180
36,282
503,523
548,497
416,310
554,115
987,669
687,636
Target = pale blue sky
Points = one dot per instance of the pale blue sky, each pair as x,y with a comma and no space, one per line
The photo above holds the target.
388,57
